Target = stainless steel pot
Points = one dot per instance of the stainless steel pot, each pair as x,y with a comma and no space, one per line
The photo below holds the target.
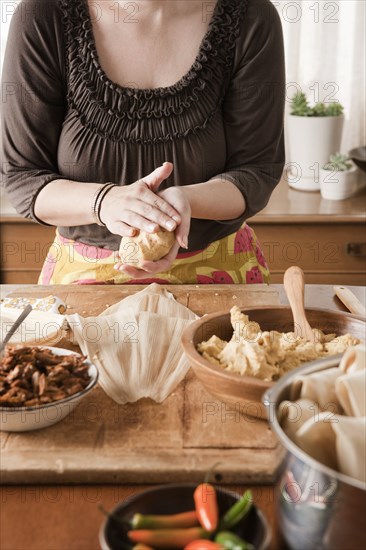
318,508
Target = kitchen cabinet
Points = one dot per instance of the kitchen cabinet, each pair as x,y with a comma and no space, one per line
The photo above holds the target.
24,246
326,238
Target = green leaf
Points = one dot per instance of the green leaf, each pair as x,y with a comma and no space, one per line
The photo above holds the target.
300,107
338,163
334,109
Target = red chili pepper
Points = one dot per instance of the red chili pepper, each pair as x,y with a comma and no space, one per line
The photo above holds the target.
167,538
202,544
207,509
174,521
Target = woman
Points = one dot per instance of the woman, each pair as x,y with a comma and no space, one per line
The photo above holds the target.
96,95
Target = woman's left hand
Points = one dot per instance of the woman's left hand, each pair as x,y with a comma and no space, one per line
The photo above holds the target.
176,197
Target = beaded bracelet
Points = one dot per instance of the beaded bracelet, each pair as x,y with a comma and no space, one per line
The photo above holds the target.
97,201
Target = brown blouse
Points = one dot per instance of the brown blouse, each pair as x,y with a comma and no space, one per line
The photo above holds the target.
64,119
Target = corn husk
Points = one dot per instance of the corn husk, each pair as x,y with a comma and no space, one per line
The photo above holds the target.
329,420
136,345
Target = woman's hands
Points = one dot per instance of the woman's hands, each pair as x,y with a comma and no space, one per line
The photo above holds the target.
176,205
176,197
149,267
136,206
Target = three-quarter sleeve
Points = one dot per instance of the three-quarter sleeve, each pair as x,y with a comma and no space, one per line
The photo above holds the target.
254,109
34,102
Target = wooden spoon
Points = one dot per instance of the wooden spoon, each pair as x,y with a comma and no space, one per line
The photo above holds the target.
350,300
294,283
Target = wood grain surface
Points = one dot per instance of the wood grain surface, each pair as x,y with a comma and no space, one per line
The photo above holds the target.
146,442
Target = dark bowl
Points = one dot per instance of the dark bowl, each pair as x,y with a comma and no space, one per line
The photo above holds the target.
173,499
358,155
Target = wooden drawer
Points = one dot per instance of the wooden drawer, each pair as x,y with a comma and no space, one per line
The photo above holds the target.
20,277
24,246
323,251
320,249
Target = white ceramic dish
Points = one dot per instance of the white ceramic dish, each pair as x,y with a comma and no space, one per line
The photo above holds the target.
24,419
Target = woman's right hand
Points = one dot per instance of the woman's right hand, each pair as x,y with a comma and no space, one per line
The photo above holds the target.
127,208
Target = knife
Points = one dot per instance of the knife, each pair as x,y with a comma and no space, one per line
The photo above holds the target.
350,301
26,311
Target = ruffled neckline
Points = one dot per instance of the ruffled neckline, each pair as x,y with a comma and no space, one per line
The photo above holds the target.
148,115
162,91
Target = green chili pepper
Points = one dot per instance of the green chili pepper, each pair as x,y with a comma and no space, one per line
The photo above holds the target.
237,512
230,541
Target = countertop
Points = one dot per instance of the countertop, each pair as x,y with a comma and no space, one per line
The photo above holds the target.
285,205
288,205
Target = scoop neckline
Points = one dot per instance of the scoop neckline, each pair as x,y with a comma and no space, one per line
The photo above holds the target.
160,90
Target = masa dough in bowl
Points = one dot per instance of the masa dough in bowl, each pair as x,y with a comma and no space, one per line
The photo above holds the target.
146,247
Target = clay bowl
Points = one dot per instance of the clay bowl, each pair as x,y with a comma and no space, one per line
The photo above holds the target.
245,390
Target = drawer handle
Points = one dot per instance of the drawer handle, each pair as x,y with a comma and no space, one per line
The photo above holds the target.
356,249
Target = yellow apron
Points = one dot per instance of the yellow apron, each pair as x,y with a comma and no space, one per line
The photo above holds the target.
236,258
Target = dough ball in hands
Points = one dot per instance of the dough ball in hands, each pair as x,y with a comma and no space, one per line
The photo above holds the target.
146,247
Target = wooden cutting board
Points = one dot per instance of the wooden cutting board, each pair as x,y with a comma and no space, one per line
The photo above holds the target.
146,442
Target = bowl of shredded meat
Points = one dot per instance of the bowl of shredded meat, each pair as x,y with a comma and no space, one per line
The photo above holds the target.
40,386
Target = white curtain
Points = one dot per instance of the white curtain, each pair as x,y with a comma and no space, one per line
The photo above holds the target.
325,55
7,9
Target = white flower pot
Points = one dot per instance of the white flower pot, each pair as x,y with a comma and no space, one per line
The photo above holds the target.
311,140
337,186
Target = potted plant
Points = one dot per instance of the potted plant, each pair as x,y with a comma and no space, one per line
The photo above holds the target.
313,134
337,178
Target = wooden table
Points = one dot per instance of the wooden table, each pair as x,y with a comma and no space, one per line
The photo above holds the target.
60,517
